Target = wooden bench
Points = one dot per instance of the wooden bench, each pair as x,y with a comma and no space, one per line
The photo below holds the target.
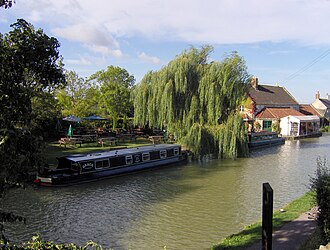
88,138
107,140
69,141
124,137
156,139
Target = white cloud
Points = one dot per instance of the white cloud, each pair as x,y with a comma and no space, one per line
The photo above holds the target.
277,52
212,21
35,16
80,61
86,34
94,38
150,59
3,20
106,51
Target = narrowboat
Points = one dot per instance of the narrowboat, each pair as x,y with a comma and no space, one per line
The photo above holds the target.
264,139
79,168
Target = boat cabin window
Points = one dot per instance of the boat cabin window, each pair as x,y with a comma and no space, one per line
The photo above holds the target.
176,151
129,159
154,155
145,157
75,166
163,154
102,163
117,161
170,152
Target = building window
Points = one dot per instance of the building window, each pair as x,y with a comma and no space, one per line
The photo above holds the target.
241,109
267,125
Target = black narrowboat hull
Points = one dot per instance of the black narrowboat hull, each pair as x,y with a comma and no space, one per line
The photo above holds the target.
86,168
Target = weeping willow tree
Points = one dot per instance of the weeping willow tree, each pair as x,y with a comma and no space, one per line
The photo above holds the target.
197,101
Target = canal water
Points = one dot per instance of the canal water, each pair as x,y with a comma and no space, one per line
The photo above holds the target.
181,207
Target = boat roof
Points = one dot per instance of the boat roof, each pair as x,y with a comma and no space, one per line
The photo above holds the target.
125,151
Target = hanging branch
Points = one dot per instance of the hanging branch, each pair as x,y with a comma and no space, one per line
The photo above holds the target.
197,101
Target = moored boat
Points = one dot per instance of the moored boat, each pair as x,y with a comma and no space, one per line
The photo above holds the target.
264,139
87,167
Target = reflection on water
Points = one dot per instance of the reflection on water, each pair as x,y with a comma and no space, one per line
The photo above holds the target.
182,207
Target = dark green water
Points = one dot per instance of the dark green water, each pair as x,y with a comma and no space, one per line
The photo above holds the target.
181,207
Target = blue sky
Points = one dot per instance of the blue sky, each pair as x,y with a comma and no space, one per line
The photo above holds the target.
283,41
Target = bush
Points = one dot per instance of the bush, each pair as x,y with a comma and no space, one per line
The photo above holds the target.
37,244
325,129
321,185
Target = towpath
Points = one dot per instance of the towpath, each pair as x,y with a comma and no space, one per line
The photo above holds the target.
293,234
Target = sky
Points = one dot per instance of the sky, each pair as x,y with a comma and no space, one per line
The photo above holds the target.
284,42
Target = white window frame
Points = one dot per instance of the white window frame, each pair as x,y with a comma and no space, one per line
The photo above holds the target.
129,159
145,157
163,154
103,160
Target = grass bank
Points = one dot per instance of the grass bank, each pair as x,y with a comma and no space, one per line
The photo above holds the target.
53,149
252,233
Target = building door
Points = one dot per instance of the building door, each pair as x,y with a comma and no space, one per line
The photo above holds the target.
267,125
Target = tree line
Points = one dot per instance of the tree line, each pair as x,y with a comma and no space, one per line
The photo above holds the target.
193,99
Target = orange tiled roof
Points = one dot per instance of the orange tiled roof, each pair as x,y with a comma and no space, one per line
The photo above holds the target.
277,113
307,109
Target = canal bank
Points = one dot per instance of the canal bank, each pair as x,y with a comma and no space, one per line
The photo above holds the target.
180,207
292,225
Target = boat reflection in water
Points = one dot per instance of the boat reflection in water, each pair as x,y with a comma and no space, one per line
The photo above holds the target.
86,167
264,139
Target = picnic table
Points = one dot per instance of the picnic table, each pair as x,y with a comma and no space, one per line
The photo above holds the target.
124,137
88,138
156,139
69,141
107,140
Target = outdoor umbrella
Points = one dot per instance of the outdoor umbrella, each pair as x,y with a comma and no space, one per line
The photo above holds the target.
94,118
70,131
72,118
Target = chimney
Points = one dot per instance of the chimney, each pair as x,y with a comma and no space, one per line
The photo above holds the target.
317,95
254,82
328,96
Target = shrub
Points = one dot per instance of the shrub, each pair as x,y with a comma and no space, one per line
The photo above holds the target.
321,185
325,129
37,244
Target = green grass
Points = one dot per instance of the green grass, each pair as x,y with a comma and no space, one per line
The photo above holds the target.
53,149
252,233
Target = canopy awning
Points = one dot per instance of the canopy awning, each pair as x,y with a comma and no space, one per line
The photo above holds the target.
72,118
305,118
94,118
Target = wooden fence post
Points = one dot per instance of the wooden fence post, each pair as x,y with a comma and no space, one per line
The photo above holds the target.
267,216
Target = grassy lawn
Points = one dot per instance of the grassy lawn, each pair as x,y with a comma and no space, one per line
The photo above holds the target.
252,233
53,149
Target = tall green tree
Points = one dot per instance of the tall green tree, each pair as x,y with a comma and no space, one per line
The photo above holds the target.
115,87
197,101
6,3
30,65
45,114
79,97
